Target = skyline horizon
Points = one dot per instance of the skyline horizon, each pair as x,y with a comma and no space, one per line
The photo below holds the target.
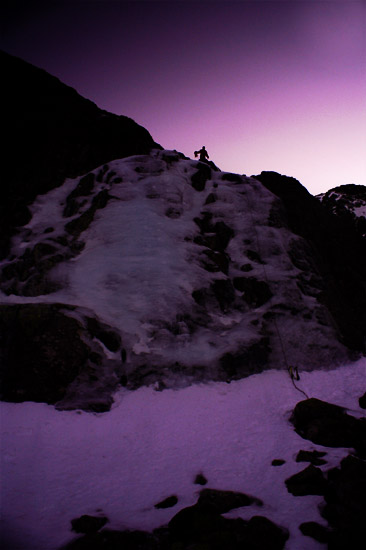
265,86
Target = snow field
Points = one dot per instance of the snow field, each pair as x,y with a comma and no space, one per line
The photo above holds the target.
57,466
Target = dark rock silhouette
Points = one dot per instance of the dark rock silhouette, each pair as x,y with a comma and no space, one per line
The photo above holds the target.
88,524
343,201
48,356
346,504
52,133
309,481
278,462
196,526
168,502
343,487
200,479
329,425
315,530
362,401
224,501
340,254
314,457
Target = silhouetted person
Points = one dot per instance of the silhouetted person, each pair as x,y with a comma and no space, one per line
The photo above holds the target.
203,154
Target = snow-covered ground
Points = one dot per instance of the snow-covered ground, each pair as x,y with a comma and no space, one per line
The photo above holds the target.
57,466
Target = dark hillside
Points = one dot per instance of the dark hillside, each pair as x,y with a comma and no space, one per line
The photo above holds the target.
51,133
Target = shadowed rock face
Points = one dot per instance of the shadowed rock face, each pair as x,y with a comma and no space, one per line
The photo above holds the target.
49,356
42,352
52,133
339,251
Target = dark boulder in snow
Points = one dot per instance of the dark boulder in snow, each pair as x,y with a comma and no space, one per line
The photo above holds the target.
362,401
329,425
314,457
307,482
196,522
168,502
88,524
278,462
345,508
224,501
315,530
200,479
115,540
198,526
202,525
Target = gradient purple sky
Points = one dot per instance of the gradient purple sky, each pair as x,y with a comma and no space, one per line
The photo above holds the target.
265,85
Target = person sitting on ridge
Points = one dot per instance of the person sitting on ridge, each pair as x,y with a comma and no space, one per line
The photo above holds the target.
203,154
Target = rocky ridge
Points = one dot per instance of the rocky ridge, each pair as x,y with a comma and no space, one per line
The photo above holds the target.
347,202
168,272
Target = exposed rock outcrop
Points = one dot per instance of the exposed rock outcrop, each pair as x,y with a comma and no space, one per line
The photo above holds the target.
339,252
343,487
50,353
198,526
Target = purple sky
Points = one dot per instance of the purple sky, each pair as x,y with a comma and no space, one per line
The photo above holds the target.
265,85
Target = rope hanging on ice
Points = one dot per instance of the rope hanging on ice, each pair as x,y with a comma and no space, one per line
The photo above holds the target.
293,371
294,375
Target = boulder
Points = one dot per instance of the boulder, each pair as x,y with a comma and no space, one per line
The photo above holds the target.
314,457
278,462
224,501
114,540
200,479
362,401
329,425
315,530
168,502
307,482
88,524
345,508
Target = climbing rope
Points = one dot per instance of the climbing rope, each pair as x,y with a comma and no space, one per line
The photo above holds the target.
294,375
293,371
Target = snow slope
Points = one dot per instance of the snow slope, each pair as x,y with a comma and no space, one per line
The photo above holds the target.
57,465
